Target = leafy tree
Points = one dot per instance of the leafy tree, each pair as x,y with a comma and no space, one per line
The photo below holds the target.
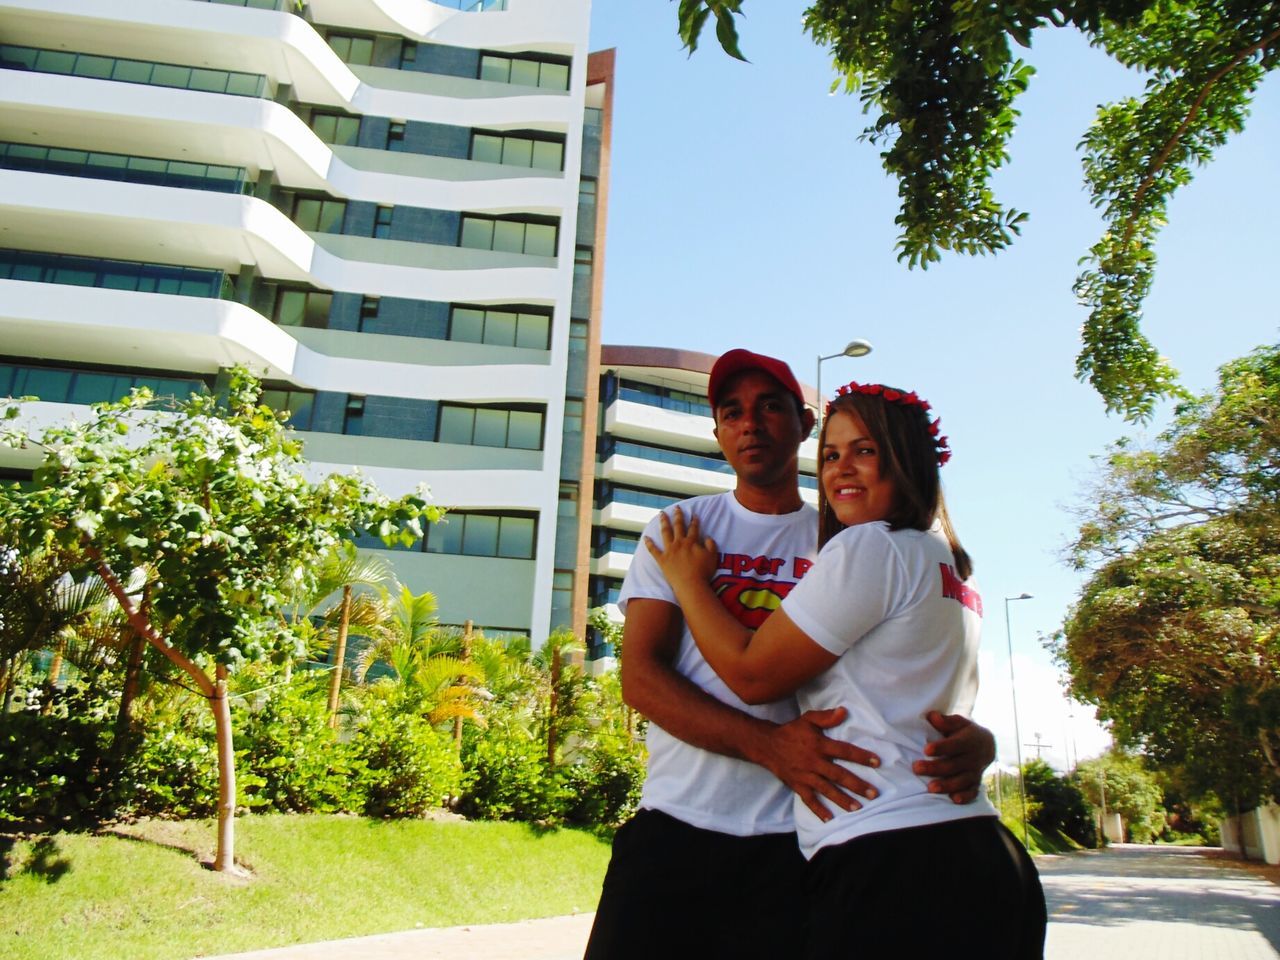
1174,636
940,78
1131,791
207,501
1058,803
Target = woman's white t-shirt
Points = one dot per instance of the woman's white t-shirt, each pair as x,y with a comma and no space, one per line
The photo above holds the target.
891,606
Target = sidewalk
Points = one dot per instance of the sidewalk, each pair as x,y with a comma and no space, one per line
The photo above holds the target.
555,938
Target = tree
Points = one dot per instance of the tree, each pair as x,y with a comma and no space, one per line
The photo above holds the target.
940,79
207,501
1058,803
1174,636
1130,790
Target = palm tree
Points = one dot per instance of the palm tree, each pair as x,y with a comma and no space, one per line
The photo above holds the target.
427,673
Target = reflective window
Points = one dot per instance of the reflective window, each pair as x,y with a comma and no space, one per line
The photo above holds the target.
501,327
302,308
132,71
529,70
115,166
319,216
336,128
524,149
66,385
509,235
483,535
113,274
490,426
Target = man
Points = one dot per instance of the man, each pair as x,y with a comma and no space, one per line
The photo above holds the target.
709,866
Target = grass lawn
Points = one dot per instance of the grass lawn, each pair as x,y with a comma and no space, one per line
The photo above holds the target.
143,895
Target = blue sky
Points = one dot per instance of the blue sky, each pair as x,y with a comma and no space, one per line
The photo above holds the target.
744,211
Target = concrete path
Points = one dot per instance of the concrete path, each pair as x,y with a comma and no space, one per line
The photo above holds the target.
1158,903
1128,903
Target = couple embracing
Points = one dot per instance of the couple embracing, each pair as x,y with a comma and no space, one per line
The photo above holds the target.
814,784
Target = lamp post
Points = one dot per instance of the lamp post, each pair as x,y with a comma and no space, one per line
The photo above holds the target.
854,348
1017,734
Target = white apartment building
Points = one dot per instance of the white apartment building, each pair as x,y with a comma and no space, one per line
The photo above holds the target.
656,447
392,210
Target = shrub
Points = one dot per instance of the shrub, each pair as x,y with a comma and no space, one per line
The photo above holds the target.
291,761
507,778
604,786
175,773
57,768
406,767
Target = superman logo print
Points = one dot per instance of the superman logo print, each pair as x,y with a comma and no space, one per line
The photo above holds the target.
745,594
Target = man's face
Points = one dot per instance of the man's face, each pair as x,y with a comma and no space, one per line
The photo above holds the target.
758,428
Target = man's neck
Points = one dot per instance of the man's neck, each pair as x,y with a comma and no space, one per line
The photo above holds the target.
778,499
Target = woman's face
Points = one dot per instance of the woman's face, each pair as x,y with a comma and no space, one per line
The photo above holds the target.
851,476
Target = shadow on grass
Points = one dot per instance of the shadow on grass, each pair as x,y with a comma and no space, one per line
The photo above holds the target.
42,862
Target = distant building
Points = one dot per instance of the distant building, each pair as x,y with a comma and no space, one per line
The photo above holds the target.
393,212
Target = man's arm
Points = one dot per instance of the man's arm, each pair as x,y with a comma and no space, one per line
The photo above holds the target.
797,753
959,759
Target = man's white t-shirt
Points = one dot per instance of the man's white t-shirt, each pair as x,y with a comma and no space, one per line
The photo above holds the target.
762,557
890,605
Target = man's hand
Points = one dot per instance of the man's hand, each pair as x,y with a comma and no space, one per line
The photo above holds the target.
804,758
959,758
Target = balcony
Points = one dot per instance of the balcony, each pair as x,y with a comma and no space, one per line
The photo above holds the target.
654,424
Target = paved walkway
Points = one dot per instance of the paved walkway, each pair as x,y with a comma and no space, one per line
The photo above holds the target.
1128,903
1158,903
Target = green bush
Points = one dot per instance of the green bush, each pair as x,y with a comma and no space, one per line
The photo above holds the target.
289,758
175,773
604,786
406,767
56,763
508,779
1060,805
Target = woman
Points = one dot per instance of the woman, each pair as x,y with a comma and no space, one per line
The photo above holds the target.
886,625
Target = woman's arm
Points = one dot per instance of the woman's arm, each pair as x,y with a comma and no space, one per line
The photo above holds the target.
774,662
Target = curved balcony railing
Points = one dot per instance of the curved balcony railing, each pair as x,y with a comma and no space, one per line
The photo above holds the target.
146,72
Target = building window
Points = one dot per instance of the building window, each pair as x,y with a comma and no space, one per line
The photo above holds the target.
299,404
336,128
483,535
382,223
525,149
395,135
567,506
578,333
368,310
55,385
551,73
587,188
353,417
514,429
302,308
561,598
408,53
352,49
533,236
572,416
319,216
583,260
523,327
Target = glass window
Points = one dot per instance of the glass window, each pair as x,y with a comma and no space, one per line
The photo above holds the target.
486,147
245,85
341,46
508,236
491,428
131,71
290,308
554,76
446,536
353,417
382,223
331,214
456,424
317,313
477,233
212,81
567,505
306,213
524,73
495,68
361,51
573,416
395,135
548,155
480,536
518,152
500,328
533,330
540,240
515,538
89,66
94,388
525,430
170,75
467,325
578,333
51,385
75,276
55,61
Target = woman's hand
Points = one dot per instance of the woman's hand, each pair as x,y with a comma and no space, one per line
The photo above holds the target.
686,556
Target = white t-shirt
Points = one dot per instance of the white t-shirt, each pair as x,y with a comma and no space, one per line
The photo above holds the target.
906,630
762,556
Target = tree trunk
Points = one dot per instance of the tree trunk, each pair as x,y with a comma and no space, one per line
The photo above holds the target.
224,859
132,683
55,671
8,673
339,655
552,710
466,655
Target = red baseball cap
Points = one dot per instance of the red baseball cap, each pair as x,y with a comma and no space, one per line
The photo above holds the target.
736,361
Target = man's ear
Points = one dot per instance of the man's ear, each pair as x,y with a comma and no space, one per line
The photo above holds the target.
807,419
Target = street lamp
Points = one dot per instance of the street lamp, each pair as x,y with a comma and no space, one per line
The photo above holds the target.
854,348
1017,734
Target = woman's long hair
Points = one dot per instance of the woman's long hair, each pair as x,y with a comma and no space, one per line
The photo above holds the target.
909,459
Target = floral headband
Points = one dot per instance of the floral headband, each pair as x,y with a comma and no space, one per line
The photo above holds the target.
902,398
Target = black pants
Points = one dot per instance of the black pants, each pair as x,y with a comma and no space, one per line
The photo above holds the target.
965,888
675,891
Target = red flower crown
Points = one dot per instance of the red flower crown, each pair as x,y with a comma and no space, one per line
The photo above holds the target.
891,395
